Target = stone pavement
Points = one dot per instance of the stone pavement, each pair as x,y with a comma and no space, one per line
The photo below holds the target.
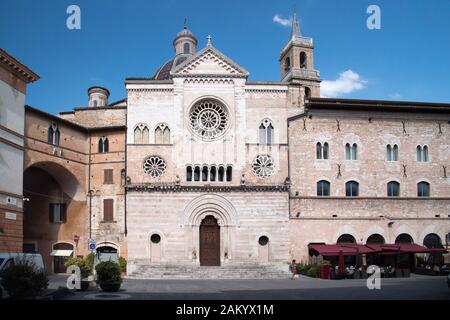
417,287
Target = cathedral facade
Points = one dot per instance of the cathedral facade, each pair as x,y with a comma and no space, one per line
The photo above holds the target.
199,166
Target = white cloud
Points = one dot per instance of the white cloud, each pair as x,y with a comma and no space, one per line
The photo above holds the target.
395,96
281,21
347,82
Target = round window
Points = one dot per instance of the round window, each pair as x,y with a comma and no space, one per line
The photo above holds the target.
263,241
155,238
154,166
209,119
263,166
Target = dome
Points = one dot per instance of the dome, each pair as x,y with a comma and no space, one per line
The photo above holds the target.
163,73
185,33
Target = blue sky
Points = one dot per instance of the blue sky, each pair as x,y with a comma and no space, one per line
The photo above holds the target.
408,59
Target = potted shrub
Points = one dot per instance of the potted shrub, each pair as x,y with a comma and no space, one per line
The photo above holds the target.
22,280
312,272
108,276
123,266
85,270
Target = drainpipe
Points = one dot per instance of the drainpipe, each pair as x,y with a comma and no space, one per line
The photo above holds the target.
89,188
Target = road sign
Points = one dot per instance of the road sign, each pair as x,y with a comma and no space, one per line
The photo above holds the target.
92,245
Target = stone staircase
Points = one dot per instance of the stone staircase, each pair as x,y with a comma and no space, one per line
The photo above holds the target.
140,270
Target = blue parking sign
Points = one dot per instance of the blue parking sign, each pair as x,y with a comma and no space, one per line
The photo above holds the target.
92,245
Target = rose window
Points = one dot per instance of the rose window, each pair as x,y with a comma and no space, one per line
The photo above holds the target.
263,166
209,119
154,166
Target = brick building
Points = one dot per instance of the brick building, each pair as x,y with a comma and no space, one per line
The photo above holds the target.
199,166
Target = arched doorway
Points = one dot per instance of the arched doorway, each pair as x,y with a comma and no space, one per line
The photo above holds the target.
209,242
346,238
375,239
433,241
61,253
403,238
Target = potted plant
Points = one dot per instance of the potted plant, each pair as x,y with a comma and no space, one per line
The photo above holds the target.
23,280
85,270
312,272
325,269
123,266
108,276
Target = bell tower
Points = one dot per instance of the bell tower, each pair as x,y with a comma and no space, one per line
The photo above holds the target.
297,62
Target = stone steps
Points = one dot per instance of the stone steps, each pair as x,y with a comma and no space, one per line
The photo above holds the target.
146,271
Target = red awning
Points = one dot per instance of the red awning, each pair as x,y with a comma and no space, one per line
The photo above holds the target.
399,248
335,249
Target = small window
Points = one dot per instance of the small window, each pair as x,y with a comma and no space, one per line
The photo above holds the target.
229,173
162,134
287,64
186,48
155,238
423,189
422,153
141,134
323,188
58,213
108,176
53,135
266,132
108,210
322,151
351,151
307,92
392,152
393,189
303,60
197,174
352,189
263,241
103,145
221,174
189,173
205,173
212,174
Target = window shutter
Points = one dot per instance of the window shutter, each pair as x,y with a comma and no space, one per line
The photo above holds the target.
108,213
108,176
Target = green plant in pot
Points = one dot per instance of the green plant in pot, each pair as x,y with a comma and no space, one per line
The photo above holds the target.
85,270
123,266
108,276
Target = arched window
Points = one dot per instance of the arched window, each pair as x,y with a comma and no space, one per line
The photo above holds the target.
303,60
221,174
287,64
229,173
393,189
212,174
432,241
323,188
404,238
188,173
392,152
322,150
375,239
197,174
352,189
266,132
205,173
162,134
103,145
422,153
53,134
351,151
307,92
423,189
346,238
186,48
141,134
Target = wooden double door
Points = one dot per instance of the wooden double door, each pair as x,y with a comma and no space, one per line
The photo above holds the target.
209,242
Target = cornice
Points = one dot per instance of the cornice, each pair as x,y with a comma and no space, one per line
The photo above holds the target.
172,187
